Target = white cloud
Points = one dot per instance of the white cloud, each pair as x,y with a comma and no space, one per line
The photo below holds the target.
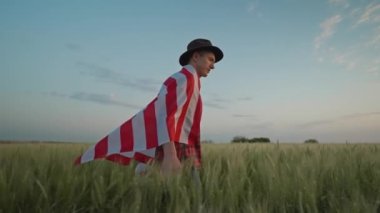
73,47
113,77
328,29
353,116
251,7
106,99
371,14
345,60
336,1
243,116
375,40
357,47
351,60
343,3
374,67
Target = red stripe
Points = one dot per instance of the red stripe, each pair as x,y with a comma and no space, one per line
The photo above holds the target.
126,136
77,161
117,158
194,135
197,140
142,158
171,105
189,92
197,163
101,148
150,125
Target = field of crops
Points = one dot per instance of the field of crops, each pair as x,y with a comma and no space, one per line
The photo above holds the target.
235,178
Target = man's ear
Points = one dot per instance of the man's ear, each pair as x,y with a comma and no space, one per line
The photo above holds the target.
195,56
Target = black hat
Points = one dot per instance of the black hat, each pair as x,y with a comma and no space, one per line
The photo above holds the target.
200,44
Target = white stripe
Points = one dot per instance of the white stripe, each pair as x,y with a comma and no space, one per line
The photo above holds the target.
138,127
189,117
181,95
114,142
160,110
128,154
89,155
191,69
149,152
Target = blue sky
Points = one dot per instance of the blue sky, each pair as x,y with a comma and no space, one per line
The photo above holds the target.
293,70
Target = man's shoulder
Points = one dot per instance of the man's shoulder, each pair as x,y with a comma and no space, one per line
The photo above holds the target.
183,76
175,77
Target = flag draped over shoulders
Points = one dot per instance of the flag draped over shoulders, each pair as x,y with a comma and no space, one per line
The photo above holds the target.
174,115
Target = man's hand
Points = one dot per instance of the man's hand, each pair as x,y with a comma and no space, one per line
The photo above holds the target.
170,163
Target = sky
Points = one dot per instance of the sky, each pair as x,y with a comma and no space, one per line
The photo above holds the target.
292,69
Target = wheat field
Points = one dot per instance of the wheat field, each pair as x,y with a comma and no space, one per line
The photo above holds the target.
41,177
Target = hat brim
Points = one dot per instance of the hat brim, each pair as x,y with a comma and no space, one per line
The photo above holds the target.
184,58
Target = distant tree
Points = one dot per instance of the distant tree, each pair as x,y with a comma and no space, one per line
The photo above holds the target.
242,139
207,141
259,140
239,139
311,141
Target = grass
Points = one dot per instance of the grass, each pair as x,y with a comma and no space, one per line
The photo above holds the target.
235,178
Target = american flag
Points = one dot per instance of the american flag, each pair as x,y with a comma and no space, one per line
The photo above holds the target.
174,115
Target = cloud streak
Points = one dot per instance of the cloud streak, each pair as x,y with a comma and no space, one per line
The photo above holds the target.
316,123
351,52
251,8
213,105
360,115
96,98
73,47
264,125
245,99
341,118
243,116
375,41
113,77
343,3
345,59
370,14
328,30
216,102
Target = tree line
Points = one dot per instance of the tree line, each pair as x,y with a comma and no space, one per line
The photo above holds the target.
242,139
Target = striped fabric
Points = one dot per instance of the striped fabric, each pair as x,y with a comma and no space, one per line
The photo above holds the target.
174,115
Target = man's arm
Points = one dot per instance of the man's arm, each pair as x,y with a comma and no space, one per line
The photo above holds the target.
170,163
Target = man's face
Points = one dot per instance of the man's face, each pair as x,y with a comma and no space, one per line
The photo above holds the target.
204,62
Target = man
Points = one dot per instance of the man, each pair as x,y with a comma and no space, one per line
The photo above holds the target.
168,129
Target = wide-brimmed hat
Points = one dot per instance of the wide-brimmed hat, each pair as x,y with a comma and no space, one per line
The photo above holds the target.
200,44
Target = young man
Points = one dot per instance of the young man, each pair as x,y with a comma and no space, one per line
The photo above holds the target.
201,55
168,129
